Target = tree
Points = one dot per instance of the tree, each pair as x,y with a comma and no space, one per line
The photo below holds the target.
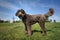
13,19
1,21
54,20
50,20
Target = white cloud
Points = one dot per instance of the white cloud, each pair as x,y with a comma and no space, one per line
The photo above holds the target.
8,5
22,4
36,4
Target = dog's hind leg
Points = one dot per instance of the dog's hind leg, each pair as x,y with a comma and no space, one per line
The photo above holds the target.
42,25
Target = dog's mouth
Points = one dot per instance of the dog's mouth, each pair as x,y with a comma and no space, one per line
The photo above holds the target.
21,16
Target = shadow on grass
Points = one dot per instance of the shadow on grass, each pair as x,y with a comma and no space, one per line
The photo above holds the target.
33,31
36,31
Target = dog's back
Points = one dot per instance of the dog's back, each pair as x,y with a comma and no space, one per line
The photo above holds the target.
35,18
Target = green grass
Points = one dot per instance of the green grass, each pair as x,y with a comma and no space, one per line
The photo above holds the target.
15,31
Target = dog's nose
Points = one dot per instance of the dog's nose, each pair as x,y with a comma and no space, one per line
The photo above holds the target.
20,15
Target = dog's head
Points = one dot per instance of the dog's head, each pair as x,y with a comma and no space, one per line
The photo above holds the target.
20,13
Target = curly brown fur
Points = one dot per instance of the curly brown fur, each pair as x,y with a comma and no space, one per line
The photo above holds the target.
28,20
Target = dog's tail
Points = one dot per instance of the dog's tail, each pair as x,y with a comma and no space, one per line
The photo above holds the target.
49,13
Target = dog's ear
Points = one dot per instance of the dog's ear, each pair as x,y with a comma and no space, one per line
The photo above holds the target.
22,11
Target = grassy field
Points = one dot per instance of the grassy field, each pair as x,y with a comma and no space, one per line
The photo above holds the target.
15,31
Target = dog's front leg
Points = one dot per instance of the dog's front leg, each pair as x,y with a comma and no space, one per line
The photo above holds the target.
29,30
26,31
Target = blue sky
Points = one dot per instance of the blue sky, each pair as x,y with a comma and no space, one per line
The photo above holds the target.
8,8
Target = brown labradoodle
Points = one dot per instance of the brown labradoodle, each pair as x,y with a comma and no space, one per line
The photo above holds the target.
28,20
